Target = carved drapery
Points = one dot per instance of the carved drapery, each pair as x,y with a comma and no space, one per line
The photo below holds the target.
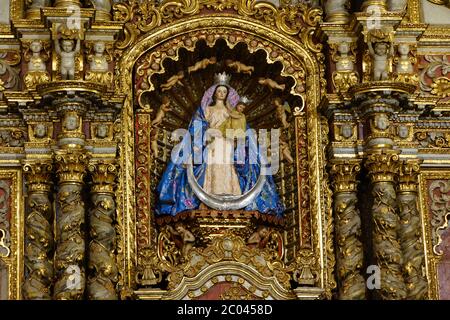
410,232
39,232
348,230
103,273
70,222
383,167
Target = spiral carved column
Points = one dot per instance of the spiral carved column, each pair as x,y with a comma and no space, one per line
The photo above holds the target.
410,231
348,230
103,273
70,225
38,232
383,167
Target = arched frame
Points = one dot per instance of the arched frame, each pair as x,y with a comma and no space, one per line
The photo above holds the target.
319,195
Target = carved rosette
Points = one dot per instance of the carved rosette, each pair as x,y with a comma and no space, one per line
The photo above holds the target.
38,232
383,167
410,232
103,272
348,230
70,221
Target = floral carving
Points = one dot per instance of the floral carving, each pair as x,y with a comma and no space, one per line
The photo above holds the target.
434,78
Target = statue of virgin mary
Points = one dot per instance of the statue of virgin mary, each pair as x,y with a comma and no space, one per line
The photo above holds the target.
227,178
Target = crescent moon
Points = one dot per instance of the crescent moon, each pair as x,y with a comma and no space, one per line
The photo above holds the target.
225,202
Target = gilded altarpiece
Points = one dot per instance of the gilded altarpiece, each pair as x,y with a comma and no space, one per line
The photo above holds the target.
364,143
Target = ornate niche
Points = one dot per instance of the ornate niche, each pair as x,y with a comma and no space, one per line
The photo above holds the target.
213,253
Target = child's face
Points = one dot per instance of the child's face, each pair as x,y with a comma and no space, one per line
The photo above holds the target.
36,47
240,108
99,47
344,48
67,45
381,49
403,49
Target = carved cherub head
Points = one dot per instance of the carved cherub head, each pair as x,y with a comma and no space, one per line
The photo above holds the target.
403,132
71,122
381,122
99,47
101,131
344,47
36,47
68,45
381,48
346,131
40,130
403,49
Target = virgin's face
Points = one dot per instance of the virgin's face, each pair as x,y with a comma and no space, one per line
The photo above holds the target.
221,93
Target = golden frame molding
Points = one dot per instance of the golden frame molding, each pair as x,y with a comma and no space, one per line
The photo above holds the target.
126,207
14,261
189,287
431,259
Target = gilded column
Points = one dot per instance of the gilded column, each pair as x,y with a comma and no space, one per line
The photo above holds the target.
383,167
70,225
382,163
348,230
410,231
71,166
38,232
103,273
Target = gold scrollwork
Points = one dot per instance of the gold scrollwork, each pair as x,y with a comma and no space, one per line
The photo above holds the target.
142,17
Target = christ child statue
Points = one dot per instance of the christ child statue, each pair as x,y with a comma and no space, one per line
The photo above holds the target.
236,122
380,52
67,51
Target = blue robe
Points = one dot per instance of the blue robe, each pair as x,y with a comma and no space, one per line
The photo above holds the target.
176,195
